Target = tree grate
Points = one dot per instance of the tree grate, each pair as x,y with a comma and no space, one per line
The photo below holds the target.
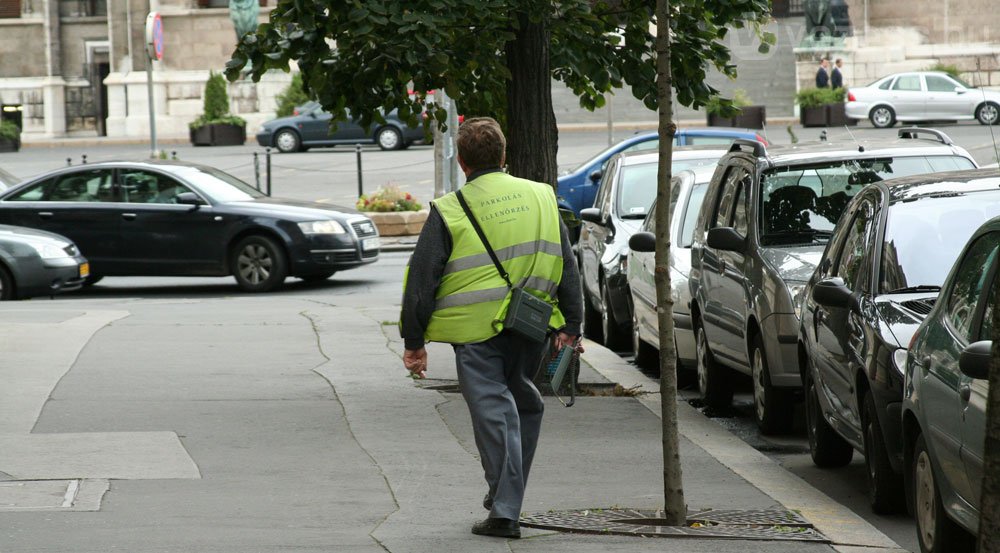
766,524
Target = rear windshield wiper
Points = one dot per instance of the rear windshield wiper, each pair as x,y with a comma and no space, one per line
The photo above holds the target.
915,289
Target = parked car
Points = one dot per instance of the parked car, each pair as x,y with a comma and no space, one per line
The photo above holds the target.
686,194
578,188
879,276
922,96
627,190
168,218
7,180
38,263
310,127
945,389
762,228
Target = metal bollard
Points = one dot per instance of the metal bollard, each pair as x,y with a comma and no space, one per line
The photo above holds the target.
173,155
267,163
256,170
822,136
84,158
69,162
361,188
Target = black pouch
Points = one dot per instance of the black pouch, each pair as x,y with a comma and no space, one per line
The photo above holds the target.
528,315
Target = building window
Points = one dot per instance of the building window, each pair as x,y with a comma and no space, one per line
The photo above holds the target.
10,8
82,8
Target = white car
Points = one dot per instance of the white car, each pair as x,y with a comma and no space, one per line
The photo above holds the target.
922,96
687,192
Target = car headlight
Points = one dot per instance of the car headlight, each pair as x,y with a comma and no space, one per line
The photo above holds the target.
52,251
322,227
899,359
797,292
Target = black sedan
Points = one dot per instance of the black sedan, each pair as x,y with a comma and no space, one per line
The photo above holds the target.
310,127
38,263
876,282
161,218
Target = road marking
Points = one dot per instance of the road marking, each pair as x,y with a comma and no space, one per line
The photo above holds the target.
74,486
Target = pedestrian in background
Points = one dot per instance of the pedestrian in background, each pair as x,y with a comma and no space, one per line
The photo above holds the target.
454,293
822,76
836,77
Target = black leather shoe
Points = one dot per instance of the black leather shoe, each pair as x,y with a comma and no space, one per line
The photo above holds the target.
498,527
488,502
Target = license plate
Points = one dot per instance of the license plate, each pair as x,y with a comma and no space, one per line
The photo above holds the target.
84,270
371,244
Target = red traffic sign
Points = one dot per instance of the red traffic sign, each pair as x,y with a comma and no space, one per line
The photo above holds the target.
154,36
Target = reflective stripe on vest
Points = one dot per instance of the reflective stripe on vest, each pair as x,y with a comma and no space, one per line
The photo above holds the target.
521,220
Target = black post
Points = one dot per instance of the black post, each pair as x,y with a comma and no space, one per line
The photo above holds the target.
173,155
361,188
256,170
84,157
69,162
267,162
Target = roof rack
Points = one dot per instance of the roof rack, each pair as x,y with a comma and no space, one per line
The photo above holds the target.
913,132
758,149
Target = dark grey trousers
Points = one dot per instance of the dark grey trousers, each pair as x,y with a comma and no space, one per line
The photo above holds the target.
506,409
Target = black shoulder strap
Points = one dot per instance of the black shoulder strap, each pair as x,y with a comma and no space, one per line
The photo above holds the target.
486,243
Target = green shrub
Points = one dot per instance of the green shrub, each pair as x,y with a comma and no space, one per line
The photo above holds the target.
292,97
739,99
950,69
216,107
816,97
9,130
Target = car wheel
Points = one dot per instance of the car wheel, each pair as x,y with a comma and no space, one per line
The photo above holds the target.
646,356
772,406
258,263
885,487
716,389
317,277
936,532
591,320
988,114
614,335
882,117
287,141
8,289
92,280
389,138
826,447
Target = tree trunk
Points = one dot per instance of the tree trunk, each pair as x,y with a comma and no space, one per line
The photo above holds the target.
989,509
674,509
531,124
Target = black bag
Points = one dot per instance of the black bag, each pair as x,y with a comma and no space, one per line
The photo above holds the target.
527,315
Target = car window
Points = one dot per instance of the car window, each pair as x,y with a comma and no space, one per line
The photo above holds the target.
217,185
924,237
690,214
907,83
637,190
603,197
739,218
644,146
702,140
885,84
682,164
970,279
147,187
936,83
851,265
720,217
79,186
986,329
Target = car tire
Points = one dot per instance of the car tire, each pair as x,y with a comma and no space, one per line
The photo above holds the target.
885,486
882,117
287,141
936,532
591,320
772,406
319,277
646,356
8,288
389,138
615,337
92,280
988,114
258,263
826,447
713,379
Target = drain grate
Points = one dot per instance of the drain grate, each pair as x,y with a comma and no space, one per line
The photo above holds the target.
767,524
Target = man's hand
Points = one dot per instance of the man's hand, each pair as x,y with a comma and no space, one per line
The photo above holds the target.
563,339
415,361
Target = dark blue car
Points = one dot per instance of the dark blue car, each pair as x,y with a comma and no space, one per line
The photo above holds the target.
578,187
309,127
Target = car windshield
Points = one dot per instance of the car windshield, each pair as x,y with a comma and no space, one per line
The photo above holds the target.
923,238
6,180
800,204
217,185
637,188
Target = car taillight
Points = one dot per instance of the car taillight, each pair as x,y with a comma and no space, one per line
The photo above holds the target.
850,97
761,139
295,111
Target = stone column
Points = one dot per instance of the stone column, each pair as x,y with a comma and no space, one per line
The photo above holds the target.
54,89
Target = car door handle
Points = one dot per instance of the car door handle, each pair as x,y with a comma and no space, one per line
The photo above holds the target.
965,392
128,216
45,214
820,315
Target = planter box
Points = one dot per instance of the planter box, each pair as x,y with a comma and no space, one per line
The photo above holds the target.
219,134
750,117
814,116
837,116
10,144
398,223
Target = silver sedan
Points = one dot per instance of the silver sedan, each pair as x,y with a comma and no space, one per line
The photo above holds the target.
38,263
922,96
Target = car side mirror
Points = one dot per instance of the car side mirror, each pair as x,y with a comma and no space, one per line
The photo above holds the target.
832,292
726,238
975,359
961,89
642,242
592,215
596,176
189,198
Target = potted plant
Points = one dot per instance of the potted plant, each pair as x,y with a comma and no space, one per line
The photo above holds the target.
394,212
821,107
749,116
10,136
216,126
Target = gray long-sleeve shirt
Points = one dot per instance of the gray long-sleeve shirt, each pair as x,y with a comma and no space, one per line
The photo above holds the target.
427,267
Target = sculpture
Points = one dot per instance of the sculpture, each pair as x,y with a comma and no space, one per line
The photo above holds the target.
819,18
244,15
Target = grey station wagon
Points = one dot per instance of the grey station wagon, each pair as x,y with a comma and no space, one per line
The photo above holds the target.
765,221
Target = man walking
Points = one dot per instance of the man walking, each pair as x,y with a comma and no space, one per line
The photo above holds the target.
822,76
836,77
455,293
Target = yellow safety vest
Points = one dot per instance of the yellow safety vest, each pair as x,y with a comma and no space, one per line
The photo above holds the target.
521,221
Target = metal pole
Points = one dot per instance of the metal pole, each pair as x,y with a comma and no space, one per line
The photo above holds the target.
361,189
69,162
267,158
447,146
452,147
611,119
256,170
152,109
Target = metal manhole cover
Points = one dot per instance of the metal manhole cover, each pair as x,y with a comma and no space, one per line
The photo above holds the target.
767,524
